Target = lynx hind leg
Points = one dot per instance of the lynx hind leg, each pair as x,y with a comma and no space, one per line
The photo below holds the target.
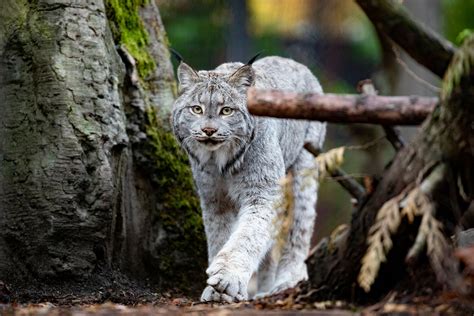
266,273
291,267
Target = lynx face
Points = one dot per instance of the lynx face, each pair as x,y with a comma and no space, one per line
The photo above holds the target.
210,117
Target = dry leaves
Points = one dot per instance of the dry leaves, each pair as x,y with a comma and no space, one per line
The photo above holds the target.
329,161
430,234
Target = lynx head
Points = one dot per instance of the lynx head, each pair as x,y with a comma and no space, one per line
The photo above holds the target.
210,117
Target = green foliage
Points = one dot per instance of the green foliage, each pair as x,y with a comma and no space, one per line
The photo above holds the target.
368,48
461,64
128,29
458,15
197,29
269,43
463,35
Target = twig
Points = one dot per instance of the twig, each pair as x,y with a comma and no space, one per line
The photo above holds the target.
347,182
367,145
393,136
392,133
410,72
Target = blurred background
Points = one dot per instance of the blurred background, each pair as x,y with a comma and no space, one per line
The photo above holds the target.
337,42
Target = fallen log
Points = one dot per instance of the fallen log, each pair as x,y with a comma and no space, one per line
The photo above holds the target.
371,109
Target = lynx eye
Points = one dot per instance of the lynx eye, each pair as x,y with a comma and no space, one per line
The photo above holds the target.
196,109
226,111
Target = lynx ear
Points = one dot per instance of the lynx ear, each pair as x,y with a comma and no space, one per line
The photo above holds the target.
243,77
187,76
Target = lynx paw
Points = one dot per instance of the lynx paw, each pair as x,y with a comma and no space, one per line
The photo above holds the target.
276,289
211,295
283,286
224,284
288,280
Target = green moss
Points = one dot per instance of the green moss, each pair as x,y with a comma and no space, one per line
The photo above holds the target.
181,251
128,29
461,64
13,15
183,256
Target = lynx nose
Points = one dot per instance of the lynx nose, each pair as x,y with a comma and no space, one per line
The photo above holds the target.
209,130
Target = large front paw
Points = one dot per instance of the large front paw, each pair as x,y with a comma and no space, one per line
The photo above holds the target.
225,284
210,294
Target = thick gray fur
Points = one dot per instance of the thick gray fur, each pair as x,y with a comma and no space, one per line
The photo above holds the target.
237,172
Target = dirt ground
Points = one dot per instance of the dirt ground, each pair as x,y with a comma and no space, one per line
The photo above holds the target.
291,302
120,296
110,308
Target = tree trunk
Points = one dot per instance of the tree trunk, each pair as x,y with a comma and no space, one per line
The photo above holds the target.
91,179
443,150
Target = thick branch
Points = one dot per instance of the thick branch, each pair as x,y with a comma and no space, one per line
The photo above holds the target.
341,108
421,43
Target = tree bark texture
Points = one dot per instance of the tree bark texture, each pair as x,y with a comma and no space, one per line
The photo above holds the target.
446,138
341,108
84,146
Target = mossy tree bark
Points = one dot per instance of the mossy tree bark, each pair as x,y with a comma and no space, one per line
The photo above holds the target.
90,175
443,150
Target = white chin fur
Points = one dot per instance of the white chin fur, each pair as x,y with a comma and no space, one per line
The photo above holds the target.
211,147
217,154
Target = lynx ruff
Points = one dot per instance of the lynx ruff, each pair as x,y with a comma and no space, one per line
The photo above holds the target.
237,161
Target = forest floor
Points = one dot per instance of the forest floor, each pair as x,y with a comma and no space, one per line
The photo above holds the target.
290,302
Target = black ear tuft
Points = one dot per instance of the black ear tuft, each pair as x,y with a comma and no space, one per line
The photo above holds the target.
176,55
253,59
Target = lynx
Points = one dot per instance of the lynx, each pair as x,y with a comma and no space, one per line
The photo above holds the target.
237,162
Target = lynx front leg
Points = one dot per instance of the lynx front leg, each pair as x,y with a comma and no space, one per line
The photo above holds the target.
218,227
232,268
255,191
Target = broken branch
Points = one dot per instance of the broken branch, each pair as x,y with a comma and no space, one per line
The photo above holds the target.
352,186
385,110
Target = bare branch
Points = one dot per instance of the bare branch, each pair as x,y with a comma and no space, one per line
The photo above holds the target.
385,110
421,43
347,182
393,136
392,133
